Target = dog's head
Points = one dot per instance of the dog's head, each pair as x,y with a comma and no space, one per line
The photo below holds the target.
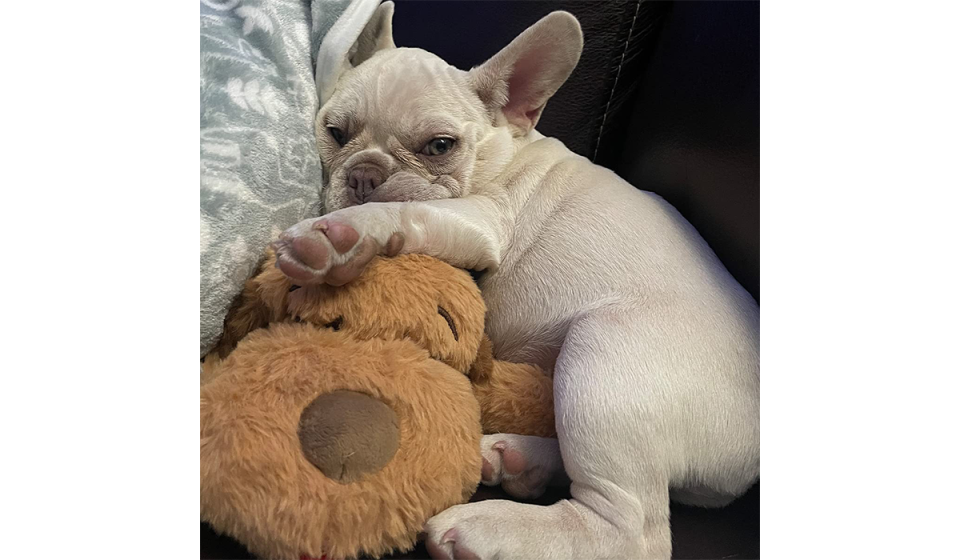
402,124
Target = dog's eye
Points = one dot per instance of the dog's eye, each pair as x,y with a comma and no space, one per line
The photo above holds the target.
453,326
338,135
335,324
293,287
438,146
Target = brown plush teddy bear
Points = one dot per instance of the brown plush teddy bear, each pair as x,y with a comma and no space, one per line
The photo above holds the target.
334,421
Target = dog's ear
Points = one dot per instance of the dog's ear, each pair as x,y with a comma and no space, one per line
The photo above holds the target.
376,36
364,28
520,79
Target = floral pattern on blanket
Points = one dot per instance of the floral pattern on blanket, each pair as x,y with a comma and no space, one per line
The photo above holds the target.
259,168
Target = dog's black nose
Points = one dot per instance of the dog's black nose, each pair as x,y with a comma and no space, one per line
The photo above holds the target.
362,180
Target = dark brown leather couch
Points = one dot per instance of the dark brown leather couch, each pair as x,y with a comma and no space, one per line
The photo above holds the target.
667,94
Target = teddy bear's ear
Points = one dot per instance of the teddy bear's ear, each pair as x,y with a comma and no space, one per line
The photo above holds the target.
514,398
248,312
482,366
210,367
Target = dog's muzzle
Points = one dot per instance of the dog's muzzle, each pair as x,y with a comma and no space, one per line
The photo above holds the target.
362,180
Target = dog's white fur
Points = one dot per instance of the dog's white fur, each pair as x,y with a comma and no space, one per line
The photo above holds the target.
654,347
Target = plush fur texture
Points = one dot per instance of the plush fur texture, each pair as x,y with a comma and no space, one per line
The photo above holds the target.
514,398
396,298
257,485
391,343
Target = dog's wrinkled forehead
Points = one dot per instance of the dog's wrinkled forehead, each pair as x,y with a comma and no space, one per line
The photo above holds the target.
403,84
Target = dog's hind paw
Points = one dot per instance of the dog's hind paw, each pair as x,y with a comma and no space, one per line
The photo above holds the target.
522,465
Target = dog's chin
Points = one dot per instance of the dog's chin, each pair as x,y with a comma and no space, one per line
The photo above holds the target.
345,199
350,201
395,197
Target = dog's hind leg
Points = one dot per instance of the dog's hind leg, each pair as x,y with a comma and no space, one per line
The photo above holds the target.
615,447
646,399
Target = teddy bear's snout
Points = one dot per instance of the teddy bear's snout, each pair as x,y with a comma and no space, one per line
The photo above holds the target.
347,434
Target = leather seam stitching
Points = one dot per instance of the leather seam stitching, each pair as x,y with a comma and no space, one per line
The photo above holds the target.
616,79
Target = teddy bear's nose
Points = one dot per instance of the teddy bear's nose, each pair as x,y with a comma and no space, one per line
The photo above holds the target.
347,434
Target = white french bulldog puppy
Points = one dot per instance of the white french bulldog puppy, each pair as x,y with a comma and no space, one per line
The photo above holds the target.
653,346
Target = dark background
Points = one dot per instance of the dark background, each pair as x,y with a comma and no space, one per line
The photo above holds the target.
667,94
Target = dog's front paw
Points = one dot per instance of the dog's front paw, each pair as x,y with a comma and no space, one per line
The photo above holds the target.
333,249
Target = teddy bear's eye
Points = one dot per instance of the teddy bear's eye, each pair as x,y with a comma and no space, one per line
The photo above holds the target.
335,324
453,326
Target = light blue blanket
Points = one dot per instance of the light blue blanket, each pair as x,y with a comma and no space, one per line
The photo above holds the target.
259,169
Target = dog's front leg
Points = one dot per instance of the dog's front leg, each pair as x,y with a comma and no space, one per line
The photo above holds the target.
334,249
